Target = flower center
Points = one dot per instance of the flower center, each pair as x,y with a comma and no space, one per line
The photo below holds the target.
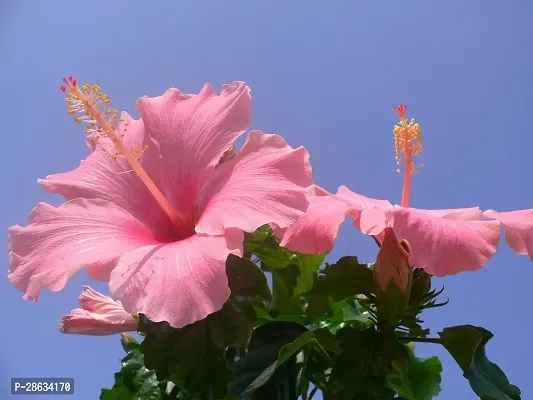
408,144
103,121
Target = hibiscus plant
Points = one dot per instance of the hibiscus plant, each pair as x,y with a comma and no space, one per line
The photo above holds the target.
216,258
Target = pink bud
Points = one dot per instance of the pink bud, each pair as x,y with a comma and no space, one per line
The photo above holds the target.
392,262
98,315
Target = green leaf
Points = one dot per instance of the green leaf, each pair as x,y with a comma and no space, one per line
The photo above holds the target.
309,265
249,291
360,371
326,340
119,391
264,245
316,369
466,344
349,269
419,381
319,300
271,346
342,313
351,311
284,282
336,282
135,381
283,384
246,279
193,357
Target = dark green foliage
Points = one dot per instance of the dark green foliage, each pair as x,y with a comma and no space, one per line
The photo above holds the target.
466,344
135,381
419,381
326,331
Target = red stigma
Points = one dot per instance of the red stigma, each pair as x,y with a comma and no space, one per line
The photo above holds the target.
70,83
401,110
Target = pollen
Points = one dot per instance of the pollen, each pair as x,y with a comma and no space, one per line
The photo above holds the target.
407,141
91,107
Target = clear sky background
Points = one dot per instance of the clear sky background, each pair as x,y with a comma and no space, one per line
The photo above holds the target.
323,74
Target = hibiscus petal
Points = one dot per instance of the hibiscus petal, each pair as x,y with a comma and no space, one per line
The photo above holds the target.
265,183
98,315
446,242
193,132
312,191
318,191
518,228
101,176
370,215
94,301
180,282
57,242
316,231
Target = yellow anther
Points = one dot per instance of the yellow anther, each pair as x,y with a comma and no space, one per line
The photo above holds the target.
408,143
407,140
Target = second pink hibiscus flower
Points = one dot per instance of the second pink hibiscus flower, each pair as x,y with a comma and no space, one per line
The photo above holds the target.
443,242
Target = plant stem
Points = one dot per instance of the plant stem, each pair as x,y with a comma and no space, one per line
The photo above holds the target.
419,339
312,393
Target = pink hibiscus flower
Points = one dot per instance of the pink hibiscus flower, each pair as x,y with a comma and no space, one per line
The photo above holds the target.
443,242
99,315
160,202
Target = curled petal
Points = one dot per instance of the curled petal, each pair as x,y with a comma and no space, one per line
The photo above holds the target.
180,282
370,216
392,263
265,183
446,242
193,132
98,315
518,228
316,230
96,302
227,156
101,176
57,242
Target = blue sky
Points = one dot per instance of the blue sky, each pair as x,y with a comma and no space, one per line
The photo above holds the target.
325,75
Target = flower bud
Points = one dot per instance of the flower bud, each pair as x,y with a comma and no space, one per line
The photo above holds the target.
392,262
98,315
